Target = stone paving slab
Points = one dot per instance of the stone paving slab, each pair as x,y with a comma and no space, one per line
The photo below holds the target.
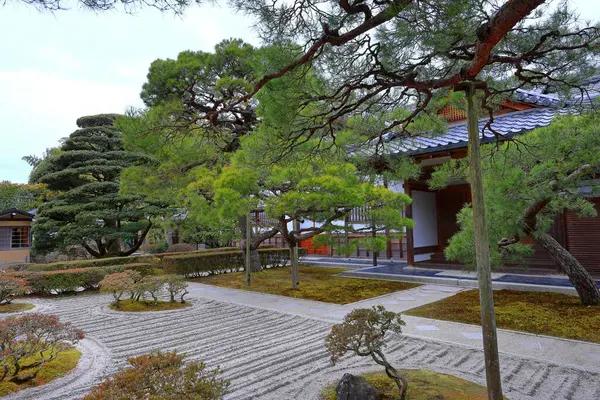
270,354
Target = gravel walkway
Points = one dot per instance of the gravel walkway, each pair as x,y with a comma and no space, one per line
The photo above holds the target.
272,355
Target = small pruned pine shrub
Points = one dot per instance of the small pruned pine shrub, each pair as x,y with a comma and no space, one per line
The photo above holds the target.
33,336
179,248
162,376
176,286
151,285
364,333
10,287
140,288
118,284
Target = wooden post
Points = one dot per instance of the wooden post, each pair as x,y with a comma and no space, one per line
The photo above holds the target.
482,250
248,240
410,248
294,258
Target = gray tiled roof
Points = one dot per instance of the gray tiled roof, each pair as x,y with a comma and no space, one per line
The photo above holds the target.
506,125
456,136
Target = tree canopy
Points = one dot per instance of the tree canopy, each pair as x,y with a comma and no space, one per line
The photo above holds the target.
88,209
25,197
527,185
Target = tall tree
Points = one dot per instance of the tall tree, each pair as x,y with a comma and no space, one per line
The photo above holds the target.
527,185
381,55
89,210
24,197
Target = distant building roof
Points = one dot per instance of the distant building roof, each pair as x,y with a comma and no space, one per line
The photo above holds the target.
547,106
15,212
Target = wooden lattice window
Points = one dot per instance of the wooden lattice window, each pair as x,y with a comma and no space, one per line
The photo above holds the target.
19,237
452,114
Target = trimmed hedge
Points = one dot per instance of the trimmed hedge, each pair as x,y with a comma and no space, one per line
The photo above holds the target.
111,261
218,262
195,265
69,280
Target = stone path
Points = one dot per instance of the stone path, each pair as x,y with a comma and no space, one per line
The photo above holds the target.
273,350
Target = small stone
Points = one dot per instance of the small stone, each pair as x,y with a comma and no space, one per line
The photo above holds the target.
352,387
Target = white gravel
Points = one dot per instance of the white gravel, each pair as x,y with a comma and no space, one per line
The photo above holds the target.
272,355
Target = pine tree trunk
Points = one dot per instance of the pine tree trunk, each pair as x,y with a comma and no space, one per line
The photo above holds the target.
294,263
255,261
588,290
482,252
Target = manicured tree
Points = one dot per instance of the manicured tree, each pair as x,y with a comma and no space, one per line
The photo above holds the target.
118,284
29,335
527,185
364,333
10,287
176,286
381,56
383,213
89,210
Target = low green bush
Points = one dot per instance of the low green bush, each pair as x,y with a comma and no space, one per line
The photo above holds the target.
69,280
112,261
100,262
179,248
195,265
198,264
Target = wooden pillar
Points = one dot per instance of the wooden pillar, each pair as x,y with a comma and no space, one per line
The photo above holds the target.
410,248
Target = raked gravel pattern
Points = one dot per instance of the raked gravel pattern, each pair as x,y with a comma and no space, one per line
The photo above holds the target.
271,355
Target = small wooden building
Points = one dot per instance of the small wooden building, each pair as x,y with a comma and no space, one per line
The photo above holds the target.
15,236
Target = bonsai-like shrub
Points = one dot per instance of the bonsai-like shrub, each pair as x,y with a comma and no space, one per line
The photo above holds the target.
363,333
176,286
28,342
10,287
180,248
162,376
152,285
118,284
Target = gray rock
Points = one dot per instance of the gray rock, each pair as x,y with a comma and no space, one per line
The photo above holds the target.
352,387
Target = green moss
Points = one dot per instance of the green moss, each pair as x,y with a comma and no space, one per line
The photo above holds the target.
64,362
15,307
550,314
141,306
422,385
316,283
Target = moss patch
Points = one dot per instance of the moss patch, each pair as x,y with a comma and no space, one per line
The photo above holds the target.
550,314
316,283
63,363
140,306
15,307
422,385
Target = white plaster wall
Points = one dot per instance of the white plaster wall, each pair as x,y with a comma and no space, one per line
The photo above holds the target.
396,187
425,219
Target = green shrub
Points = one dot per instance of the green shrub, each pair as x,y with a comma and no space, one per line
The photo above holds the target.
162,376
180,248
69,280
11,286
112,261
101,262
195,265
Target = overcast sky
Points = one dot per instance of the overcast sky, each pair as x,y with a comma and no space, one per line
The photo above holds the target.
57,67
